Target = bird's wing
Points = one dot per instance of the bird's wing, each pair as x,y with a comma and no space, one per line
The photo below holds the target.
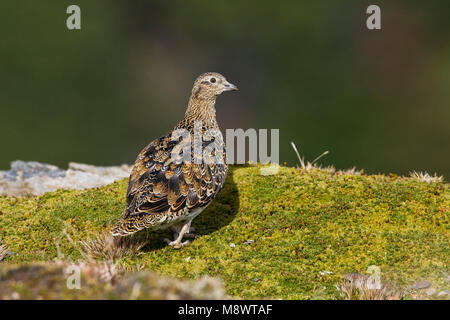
160,184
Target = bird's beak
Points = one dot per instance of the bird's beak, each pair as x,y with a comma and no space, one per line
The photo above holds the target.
229,86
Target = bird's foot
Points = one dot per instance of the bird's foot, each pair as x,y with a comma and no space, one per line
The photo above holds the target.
180,232
176,244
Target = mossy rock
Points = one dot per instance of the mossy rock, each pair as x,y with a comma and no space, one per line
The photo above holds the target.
309,229
52,281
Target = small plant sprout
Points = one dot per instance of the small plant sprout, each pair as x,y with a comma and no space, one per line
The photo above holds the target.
308,165
426,177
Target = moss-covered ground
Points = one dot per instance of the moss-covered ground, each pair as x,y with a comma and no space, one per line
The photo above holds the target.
309,228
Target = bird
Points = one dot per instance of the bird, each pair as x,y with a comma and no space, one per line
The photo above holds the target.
171,182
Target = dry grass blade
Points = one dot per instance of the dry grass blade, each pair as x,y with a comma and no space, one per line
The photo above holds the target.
426,177
316,159
359,287
308,165
352,171
108,248
3,252
298,155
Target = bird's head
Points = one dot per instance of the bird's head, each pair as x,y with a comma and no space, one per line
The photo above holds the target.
209,85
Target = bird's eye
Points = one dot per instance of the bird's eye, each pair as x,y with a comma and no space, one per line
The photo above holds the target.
212,80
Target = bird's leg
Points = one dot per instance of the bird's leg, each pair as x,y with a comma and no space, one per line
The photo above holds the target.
190,233
176,230
177,244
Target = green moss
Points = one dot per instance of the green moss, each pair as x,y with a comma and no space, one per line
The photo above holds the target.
302,223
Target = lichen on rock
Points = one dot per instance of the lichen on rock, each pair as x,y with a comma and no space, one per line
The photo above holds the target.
34,178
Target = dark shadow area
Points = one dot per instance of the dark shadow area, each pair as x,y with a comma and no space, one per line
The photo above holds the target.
220,212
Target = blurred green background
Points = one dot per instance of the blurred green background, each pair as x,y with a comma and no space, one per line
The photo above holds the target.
377,100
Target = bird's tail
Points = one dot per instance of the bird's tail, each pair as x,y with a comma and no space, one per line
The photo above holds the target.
125,226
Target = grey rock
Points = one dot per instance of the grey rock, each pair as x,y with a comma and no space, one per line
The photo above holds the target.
444,293
34,178
357,279
430,291
32,169
421,285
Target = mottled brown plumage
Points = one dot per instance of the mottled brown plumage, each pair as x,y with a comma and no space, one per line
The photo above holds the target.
164,189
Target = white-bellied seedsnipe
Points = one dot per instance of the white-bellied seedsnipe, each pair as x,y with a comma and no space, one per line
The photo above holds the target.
166,191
